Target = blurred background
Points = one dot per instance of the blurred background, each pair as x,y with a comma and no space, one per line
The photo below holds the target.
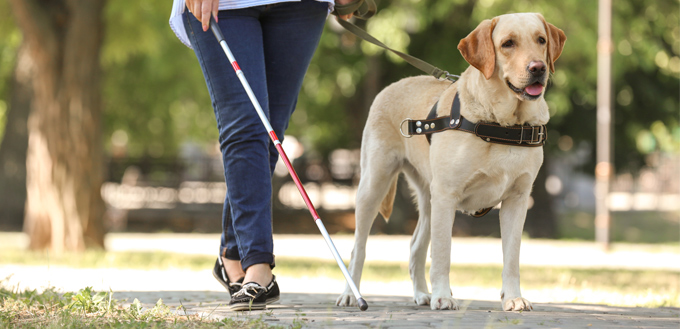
106,90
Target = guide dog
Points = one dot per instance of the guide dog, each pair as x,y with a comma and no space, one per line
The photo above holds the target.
509,58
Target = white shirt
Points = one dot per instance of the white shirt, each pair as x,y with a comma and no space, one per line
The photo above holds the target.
178,7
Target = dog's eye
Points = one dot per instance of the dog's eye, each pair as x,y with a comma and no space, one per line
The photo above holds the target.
541,40
508,44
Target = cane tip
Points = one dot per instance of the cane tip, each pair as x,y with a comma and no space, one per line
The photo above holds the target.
362,304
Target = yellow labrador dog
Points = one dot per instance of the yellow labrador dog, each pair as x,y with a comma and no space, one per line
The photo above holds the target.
510,56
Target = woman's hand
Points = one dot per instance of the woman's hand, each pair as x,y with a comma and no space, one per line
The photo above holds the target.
202,9
344,2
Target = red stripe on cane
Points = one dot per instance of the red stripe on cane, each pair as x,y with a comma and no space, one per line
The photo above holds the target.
235,65
297,181
273,135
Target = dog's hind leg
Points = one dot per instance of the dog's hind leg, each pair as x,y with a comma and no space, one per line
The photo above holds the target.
376,181
419,243
512,216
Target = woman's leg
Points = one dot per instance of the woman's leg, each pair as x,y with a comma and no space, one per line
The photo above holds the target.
243,140
291,33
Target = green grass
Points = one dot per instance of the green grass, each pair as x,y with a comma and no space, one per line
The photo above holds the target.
89,309
662,286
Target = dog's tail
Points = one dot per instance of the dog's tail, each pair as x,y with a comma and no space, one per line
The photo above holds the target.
388,202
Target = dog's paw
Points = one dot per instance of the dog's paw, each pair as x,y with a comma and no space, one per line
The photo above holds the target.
422,298
346,300
444,303
517,304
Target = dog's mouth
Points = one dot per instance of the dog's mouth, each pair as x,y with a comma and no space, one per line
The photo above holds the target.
531,92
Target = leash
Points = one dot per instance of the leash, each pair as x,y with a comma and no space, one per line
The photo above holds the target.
364,9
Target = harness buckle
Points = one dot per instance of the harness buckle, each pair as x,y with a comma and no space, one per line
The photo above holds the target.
537,134
400,128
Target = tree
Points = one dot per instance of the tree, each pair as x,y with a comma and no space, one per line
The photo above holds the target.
64,164
15,79
14,143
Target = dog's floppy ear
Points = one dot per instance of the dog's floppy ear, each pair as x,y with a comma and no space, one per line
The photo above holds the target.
556,39
478,50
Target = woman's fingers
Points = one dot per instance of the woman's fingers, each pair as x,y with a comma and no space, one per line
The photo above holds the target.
215,8
206,9
203,9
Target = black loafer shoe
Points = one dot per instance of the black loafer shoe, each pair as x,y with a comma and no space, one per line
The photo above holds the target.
221,275
273,292
253,296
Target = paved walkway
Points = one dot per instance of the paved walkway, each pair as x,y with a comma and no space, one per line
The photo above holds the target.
319,311
310,301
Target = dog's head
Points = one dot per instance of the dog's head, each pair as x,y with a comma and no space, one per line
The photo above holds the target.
516,48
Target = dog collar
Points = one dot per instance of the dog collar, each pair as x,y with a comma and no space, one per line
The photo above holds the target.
491,132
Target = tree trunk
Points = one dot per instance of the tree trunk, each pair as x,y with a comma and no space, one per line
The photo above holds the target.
14,144
64,207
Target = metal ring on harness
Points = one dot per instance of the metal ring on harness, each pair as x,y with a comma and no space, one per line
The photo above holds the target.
401,131
448,76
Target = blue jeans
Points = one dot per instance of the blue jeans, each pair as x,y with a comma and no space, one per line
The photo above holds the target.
273,45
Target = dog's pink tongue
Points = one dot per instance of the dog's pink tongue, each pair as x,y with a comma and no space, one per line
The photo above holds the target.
534,90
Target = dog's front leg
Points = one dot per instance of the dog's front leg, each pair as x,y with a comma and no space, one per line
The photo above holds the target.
419,244
443,212
512,216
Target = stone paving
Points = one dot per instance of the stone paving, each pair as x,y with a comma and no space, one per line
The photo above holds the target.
319,311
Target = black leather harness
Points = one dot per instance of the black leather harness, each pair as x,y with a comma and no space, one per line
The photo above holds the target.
517,135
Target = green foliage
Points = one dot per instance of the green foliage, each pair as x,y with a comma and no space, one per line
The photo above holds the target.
646,64
88,301
3,118
154,94
10,38
155,97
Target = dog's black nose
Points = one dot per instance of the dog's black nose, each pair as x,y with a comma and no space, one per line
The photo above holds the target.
536,68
